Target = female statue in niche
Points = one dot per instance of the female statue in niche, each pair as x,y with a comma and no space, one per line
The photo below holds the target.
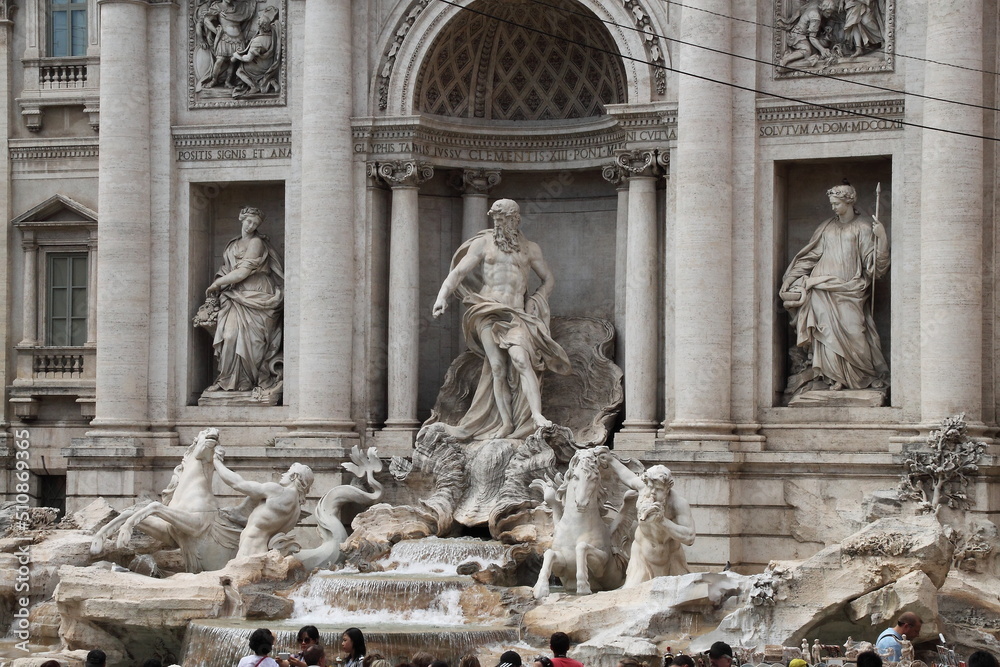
827,290
249,290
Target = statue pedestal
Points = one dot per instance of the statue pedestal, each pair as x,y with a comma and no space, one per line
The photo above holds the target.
845,398
269,397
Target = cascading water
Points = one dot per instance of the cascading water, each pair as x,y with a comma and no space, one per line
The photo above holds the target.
417,604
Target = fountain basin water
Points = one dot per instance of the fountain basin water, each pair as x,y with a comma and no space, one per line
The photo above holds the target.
419,604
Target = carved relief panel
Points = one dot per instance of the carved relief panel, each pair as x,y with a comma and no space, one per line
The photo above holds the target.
236,53
833,36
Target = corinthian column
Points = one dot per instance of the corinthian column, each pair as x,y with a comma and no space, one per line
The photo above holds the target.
703,250
326,259
123,256
951,210
404,178
641,292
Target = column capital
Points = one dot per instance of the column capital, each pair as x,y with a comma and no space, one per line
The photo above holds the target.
475,181
372,177
614,173
405,173
28,240
639,162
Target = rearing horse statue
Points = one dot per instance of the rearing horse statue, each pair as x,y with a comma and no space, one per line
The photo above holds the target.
188,518
590,542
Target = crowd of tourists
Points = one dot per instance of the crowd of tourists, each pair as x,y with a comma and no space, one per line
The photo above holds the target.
894,644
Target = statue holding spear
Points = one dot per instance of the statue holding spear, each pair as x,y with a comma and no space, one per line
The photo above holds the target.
825,288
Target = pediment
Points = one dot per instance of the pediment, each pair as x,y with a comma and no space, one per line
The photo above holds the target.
57,211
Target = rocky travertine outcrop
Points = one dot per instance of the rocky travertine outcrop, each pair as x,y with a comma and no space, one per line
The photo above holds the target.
122,610
607,623
890,564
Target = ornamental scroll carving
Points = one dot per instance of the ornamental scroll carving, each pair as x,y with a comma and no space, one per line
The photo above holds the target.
405,173
236,53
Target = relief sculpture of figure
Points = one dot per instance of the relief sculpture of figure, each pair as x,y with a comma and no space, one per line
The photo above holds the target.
862,25
225,25
249,290
805,41
259,62
509,329
827,290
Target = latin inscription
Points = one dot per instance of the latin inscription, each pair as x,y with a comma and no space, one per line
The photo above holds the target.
518,155
219,154
830,127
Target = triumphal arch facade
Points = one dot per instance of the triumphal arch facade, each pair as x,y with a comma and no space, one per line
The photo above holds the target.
238,213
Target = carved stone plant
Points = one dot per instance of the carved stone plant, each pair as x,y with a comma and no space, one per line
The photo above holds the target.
939,475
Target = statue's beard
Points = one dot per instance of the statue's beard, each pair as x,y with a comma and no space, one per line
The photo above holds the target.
507,237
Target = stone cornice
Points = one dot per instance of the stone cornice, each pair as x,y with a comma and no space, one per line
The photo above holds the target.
893,109
447,143
22,150
191,137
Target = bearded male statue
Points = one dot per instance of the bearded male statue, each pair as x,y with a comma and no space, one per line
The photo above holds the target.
505,326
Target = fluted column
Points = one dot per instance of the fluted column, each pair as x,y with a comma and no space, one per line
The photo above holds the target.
475,185
404,177
951,232
326,258
123,256
29,323
641,292
703,249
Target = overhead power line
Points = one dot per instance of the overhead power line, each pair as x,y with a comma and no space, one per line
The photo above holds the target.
749,89
822,75
768,25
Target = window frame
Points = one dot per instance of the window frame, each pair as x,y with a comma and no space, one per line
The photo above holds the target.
70,8
72,290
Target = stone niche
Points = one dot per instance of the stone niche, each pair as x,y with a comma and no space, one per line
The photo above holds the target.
570,214
214,221
800,206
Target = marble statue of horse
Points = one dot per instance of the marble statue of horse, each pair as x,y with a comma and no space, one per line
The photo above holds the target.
589,541
189,516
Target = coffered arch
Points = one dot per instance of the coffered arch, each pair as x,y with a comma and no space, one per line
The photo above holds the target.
413,32
520,66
